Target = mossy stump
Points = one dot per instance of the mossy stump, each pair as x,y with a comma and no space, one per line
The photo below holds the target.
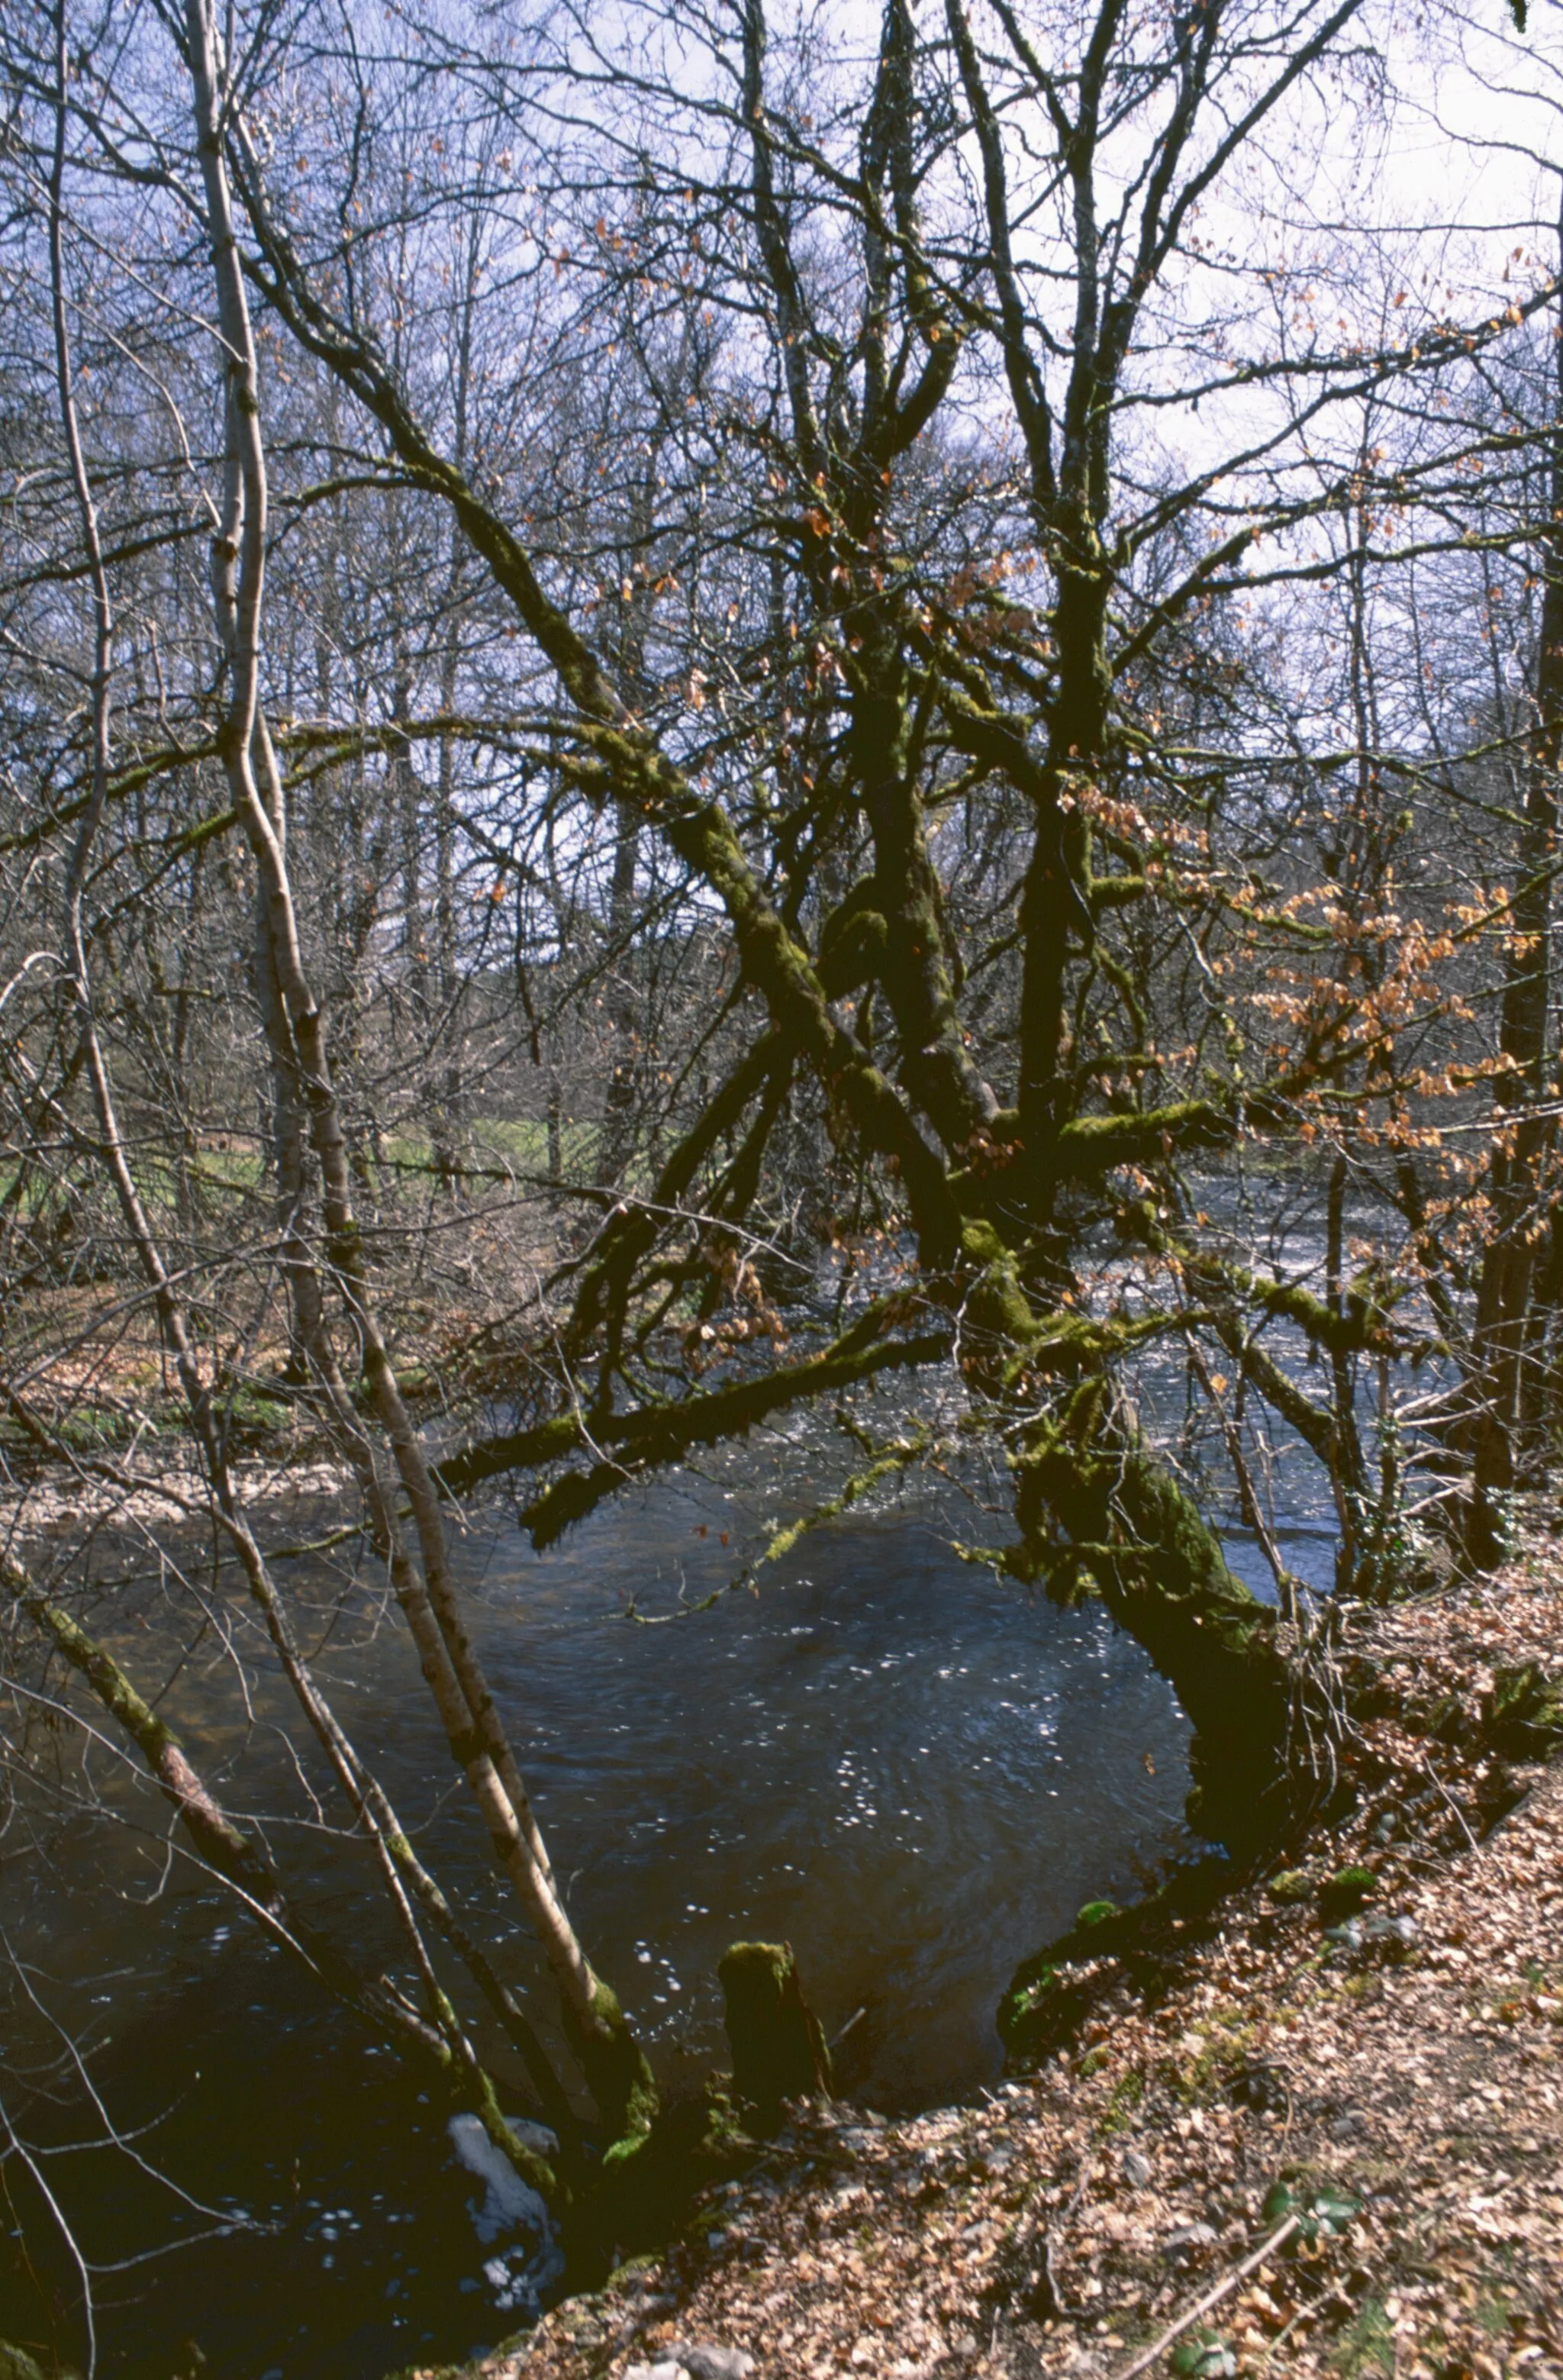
778,2044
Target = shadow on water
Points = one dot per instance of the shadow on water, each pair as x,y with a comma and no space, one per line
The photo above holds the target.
912,1771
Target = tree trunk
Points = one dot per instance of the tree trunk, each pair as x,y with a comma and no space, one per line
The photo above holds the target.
614,2067
1503,1388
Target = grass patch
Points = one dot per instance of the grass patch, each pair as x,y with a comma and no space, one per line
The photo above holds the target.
1367,2343
1125,2096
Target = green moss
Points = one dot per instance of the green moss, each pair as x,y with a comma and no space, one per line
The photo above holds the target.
981,1244
1099,1510
1023,1997
1293,1886
1126,2095
1041,2009
1341,1895
533,2168
631,2266
645,2195
853,941
1095,1912
615,2070
1092,1145
995,1303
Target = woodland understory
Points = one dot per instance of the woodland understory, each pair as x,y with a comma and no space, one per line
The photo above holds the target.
751,719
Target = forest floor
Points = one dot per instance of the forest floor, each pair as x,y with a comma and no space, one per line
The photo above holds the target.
1348,2136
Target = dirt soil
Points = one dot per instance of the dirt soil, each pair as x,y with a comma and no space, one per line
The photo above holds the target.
1387,2083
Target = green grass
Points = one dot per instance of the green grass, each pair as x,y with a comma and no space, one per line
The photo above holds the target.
89,1429
1367,2344
521,1141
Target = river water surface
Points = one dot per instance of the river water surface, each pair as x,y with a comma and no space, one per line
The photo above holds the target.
912,1771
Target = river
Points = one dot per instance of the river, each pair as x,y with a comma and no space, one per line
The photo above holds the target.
913,1771
910,1770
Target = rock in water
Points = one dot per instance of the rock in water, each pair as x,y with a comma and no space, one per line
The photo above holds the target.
777,2046
509,2205
520,2273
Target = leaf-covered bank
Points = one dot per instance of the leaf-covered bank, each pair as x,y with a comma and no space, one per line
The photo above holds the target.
1357,2057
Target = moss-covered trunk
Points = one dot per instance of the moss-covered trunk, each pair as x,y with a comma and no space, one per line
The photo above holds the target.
1099,1511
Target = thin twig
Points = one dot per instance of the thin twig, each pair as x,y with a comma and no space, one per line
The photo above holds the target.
1454,1805
1212,2298
1057,2305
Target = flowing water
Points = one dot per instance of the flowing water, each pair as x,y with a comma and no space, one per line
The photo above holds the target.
911,1771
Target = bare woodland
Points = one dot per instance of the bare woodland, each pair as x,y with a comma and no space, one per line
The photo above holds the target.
717,712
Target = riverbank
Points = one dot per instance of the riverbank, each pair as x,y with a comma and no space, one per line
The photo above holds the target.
1329,2106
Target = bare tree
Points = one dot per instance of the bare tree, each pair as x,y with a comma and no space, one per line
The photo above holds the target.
866,709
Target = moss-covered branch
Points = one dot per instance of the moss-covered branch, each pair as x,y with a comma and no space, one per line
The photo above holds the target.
641,775
661,1433
630,1231
1360,1326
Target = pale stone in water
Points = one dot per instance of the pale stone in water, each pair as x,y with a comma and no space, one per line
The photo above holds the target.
510,2204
